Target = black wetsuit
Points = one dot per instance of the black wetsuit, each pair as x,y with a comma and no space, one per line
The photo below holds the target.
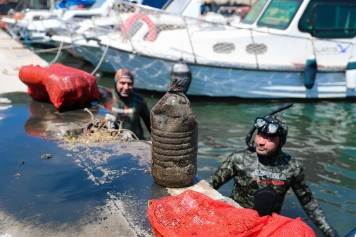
252,174
128,110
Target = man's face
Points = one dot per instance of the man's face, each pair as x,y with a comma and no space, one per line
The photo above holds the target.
265,146
124,86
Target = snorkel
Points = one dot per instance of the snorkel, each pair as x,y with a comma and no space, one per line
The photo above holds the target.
253,129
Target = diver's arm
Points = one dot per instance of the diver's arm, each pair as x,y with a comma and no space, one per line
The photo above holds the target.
224,173
310,204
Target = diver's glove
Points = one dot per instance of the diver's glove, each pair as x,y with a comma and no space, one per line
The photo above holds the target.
331,233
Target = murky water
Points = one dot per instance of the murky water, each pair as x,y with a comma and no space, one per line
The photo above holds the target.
321,136
72,188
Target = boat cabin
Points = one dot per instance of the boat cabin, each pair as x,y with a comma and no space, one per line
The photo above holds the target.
319,18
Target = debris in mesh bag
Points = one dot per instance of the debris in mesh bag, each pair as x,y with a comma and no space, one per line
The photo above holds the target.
194,214
101,129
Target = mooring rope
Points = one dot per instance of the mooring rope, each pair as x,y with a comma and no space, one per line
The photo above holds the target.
58,53
102,58
51,49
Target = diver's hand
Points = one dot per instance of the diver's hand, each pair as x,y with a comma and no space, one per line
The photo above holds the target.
331,233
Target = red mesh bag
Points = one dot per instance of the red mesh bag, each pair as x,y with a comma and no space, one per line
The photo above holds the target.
65,87
35,79
283,226
195,214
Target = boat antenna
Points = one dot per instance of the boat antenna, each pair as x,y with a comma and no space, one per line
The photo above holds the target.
253,129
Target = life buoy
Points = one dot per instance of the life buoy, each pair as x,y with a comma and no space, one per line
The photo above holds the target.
151,36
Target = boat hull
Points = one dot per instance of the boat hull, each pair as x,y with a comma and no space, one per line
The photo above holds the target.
154,74
94,55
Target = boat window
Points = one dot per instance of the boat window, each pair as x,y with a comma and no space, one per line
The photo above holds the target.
224,47
330,20
79,16
176,6
279,14
254,12
98,4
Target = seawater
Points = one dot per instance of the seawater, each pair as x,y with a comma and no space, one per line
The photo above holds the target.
321,135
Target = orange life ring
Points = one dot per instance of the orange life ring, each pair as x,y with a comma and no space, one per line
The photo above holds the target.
151,36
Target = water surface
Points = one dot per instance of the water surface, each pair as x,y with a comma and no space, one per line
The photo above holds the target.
321,136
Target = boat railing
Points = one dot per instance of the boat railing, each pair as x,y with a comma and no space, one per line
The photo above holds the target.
84,29
150,31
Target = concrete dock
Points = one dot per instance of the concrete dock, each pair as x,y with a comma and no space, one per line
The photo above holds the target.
13,56
116,214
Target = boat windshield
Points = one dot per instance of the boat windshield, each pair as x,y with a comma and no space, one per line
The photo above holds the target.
23,5
254,12
332,19
279,14
175,7
98,4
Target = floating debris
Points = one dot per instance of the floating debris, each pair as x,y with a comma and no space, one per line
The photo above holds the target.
22,162
46,156
17,175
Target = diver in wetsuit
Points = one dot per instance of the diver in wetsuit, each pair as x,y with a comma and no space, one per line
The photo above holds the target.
263,173
128,107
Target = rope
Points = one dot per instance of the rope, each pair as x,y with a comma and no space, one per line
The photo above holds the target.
58,54
91,114
102,124
101,60
50,50
131,133
254,49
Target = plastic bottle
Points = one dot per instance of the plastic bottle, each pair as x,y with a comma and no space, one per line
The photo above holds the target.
174,135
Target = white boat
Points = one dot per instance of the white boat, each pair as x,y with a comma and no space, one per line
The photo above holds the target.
35,25
282,49
83,37
81,41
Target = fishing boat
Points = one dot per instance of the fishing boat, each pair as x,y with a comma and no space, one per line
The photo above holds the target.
281,49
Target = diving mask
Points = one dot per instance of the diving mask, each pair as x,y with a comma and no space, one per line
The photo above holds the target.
267,126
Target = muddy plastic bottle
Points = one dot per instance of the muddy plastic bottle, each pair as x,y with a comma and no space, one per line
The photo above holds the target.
174,135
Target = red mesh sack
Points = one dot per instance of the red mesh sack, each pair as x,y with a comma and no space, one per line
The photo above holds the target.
195,214
65,87
70,87
283,226
35,79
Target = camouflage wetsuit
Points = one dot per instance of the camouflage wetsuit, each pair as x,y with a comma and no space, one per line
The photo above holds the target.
281,172
128,110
